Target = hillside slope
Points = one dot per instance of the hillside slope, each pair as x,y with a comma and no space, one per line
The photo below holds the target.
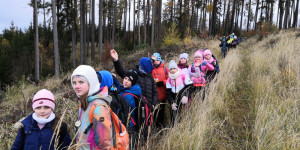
253,104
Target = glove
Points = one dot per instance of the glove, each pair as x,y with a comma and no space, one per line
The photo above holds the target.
197,73
160,83
204,63
184,100
174,106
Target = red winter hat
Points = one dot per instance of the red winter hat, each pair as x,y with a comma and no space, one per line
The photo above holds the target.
43,98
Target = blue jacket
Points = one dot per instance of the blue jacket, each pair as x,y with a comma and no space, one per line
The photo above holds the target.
31,137
136,90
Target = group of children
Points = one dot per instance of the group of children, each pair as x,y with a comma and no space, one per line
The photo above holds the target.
231,41
146,89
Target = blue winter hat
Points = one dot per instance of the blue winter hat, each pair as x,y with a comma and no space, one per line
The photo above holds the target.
146,64
156,56
105,78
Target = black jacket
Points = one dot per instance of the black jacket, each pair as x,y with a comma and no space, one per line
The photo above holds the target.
145,81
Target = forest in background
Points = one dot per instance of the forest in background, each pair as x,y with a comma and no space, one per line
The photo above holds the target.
69,36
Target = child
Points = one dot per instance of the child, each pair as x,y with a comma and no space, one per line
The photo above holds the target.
209,58
38,128
182,64
197,70
118,104
128,90
224,48
178,91
97,135
145,80
160,75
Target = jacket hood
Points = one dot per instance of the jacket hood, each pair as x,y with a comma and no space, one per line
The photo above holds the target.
90,75
106,79
146,64
136,90
101,95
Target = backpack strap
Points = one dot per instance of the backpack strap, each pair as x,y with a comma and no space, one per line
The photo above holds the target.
166,74
129,94
131,118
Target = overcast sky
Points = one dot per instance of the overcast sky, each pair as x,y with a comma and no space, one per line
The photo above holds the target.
19,12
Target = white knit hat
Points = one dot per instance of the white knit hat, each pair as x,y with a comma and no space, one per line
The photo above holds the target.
172,64
184,55
90,75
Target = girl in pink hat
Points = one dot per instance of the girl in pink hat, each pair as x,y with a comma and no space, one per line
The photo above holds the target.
37,130
209,58
197,71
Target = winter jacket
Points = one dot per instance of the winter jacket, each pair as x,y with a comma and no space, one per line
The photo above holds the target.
31,137
197,73
224,46
136,90
99,136
210,75
145,81
174,86
160,74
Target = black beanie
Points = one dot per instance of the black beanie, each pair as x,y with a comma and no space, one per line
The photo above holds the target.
132,75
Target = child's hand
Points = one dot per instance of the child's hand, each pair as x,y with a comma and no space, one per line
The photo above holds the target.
204,63
114,54
160,83
184,100
174,106
113,75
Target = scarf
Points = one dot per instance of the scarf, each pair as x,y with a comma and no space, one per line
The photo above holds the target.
174,76
210,60
182,66
42,120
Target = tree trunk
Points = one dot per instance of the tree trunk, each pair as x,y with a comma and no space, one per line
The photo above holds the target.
36,43
214,18
139,27
55,40
248,21
74,31
88,31
232,16
171,17
186,16
133,40
125,19
159,20
180,21
224,16
227,18
242,14
152,23
85,34
256,13
129,31
287,10
295,22
271,12
280,5
145,27
81,31
148,21
93,31
100,34
114,25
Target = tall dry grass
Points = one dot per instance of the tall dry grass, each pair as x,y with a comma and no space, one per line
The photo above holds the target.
253,104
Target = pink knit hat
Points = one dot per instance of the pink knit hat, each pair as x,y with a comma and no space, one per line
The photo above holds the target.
43,98
206,52
199,52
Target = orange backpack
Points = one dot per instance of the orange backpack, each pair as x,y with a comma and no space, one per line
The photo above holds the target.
119,134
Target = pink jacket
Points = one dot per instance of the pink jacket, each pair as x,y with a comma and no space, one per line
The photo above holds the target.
198,73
